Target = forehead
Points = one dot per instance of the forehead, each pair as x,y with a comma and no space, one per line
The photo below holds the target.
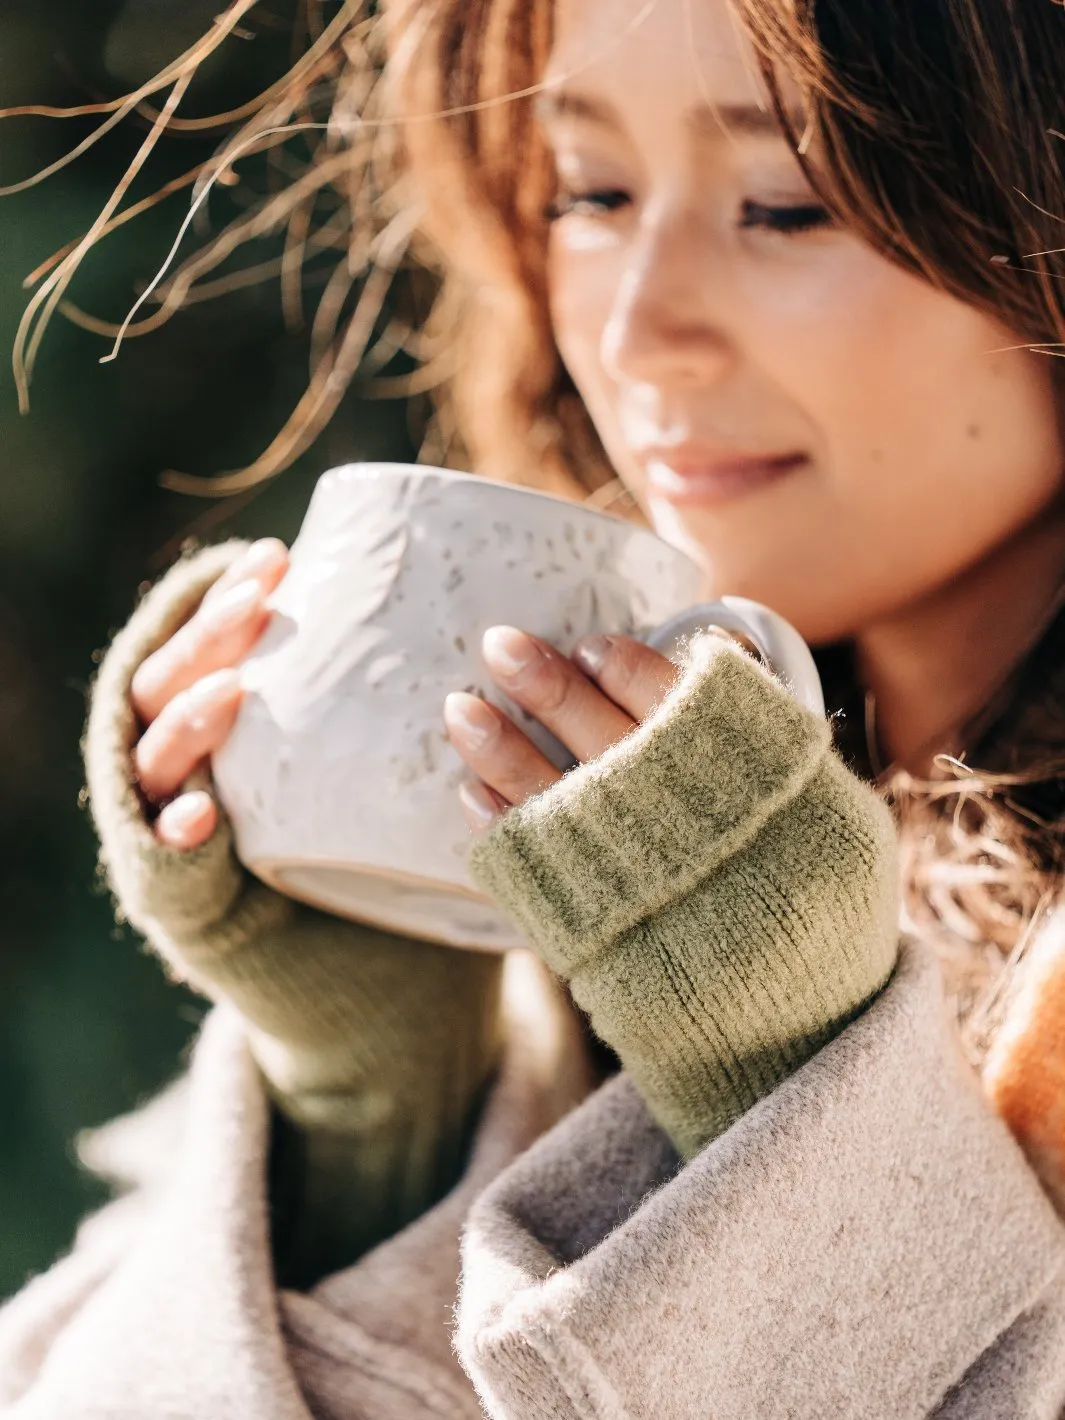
687,51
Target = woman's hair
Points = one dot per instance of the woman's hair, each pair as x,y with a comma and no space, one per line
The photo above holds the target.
939,132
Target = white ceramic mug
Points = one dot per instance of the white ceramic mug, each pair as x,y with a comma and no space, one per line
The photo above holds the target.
339,777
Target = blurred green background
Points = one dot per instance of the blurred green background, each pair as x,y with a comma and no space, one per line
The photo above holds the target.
88,1026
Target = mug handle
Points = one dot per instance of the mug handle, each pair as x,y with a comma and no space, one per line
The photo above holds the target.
777,643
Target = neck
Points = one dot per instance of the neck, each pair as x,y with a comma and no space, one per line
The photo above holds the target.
932,664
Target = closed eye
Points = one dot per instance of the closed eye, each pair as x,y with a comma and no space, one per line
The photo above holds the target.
596,202
788,220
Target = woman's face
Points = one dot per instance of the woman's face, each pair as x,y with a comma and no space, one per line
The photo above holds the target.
825,432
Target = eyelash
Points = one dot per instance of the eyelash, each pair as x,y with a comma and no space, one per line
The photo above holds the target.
587,204
785,221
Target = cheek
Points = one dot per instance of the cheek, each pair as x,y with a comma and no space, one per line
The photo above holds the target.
923,410
583,278
932,442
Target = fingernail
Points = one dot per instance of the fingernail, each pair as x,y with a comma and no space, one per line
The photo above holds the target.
591,653
509,651
184,813
470,720
480,806
232,607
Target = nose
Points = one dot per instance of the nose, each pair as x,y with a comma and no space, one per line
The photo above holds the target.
665,324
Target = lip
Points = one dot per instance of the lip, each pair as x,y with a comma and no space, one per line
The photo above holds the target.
702,476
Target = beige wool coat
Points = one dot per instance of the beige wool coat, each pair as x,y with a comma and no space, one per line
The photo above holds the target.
866,1242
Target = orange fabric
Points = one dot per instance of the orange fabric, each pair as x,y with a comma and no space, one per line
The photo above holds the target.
1025,1073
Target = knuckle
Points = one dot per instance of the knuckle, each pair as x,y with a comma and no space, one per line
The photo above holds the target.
147,687
208,648
217,639
636,676
180,725
140,689
171,724
553,686
502,750
158,679
193,716
510,763
642,662
176,713
622,662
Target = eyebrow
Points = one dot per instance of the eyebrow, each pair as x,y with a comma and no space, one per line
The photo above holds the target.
709,120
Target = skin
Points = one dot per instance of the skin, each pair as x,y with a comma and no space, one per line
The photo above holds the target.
918,514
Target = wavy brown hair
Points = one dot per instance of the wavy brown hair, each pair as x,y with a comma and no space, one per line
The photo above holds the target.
939,134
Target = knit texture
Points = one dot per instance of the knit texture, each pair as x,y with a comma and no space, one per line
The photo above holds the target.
376,1048
718,890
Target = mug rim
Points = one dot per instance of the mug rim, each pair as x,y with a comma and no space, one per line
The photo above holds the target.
456,476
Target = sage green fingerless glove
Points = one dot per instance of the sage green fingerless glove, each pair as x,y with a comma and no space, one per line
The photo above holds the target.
718,890
377,1049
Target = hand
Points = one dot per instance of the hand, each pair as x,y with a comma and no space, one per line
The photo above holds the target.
589,701
187,693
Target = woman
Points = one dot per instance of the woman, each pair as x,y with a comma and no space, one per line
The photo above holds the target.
772,267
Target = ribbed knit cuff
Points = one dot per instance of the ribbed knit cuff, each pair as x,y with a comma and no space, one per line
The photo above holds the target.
171,897
619,838
719,892
194,907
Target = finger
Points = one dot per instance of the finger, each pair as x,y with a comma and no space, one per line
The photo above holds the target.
260,562
223,631
555,690
188,821
495,749
482,806
213,640
630,673
187,730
